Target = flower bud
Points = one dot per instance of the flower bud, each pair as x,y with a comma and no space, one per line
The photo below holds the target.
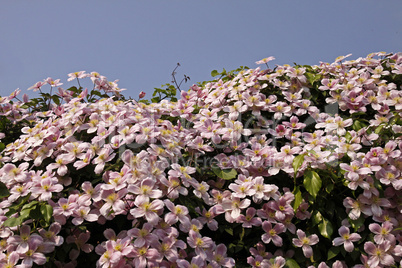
142,94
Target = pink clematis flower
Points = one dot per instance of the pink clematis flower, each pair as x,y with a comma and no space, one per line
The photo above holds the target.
76,75
109,258
144,236
233,207
84,213
199,243
257,261
50,236
177,213
105,155
208,216
305,242
47,187
265,60
144,255
383,232
271,234
25,240
354,170
53,83
81,242
37,86
219,258
279,262
346,239
33,255
113,202
248,220
147,209
61,165
145,188
196,262
379,254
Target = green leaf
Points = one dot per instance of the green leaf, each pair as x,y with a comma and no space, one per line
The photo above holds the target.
10,212
74,89
312,77
242,234
21,202
316,218
291,263
30,205
312,182
155,100
3,190
35,213
56,99
11,222
326,229
356,224
2,146
214,73
329,187
297,162
357,125
378,129
332,252
298,198
226,174
47,211
348,136
97,93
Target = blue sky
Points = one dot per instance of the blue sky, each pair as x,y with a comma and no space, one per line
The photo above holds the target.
140,42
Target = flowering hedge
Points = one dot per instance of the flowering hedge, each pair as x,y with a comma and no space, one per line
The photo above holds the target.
291,167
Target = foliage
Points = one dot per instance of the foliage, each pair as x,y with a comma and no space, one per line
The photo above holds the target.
286,167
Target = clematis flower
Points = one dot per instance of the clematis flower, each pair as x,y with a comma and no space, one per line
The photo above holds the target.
379,254
146,189
248,220
265,60
61,165
346,239
196,262
389,175
271,233
76,75
278,262
80,240
257,261
144,236
177,213
105,155
84,213
383,232
37,86
53,83
147,209
50,236
199,243
305,242
354,170
234,205
219,257
109,258
208,216
144,255
25,240
33,255
113,202
47,187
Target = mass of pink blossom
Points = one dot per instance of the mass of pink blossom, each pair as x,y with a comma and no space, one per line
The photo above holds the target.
295,166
